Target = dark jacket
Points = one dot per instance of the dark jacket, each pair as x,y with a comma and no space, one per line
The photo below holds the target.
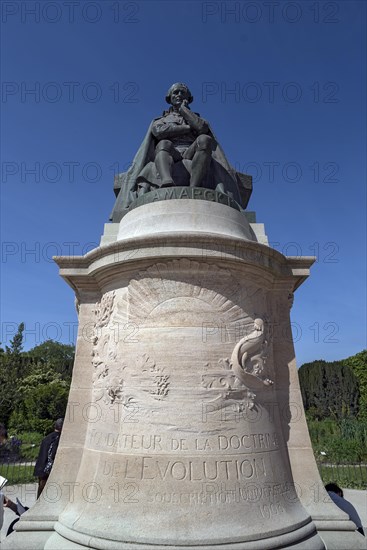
46,453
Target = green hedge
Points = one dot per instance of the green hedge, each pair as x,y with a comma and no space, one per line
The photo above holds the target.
343,442
347,476
18,473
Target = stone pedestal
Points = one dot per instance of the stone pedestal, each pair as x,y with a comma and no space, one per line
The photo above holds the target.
185,428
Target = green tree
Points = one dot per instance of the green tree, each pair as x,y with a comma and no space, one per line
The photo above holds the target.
11,370
7,389
358,364
329,390
58,356
43,398
23,380
16,344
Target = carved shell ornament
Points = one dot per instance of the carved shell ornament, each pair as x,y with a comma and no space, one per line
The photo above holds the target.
249,357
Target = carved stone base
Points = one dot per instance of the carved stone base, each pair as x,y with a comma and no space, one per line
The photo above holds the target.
184,427
303,538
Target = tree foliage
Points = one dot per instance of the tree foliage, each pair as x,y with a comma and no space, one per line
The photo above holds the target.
342,442
358,364
16,344
58,356
335,400
329,390
7,389
34,385
10,373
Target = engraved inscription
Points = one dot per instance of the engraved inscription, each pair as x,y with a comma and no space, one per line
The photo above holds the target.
242,443
149,468
230,493
248,441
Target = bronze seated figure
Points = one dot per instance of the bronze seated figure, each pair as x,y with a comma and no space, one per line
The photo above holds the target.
179,150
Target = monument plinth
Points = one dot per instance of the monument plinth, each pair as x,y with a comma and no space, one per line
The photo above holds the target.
185,427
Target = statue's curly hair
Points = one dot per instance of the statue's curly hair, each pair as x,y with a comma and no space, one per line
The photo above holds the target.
168,96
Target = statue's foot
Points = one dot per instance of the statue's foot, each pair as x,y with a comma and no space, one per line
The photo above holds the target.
143,190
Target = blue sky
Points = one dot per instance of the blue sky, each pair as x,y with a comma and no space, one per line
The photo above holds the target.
283,85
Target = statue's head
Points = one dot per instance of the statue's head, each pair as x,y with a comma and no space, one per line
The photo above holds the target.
179,86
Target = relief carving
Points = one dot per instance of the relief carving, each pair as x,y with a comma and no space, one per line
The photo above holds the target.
129,384
116,380
107,382
238,378
249,357
160,294
228,388
155,382
104,309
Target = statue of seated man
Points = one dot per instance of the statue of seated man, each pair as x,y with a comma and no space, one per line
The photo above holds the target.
181,137
179,149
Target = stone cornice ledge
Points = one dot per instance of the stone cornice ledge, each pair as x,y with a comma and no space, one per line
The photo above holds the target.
204,247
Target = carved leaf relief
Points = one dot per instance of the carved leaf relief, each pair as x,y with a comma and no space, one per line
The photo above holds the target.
103,309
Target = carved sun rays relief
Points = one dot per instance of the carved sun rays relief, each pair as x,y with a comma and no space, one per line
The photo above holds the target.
177,300
183,290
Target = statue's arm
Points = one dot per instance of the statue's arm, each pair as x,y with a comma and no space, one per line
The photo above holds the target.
196,122
164,130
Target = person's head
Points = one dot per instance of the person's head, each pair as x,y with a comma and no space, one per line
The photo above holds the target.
3,433
58,424
335,489
177,93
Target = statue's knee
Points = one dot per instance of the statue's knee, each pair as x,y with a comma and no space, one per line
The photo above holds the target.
205,143
164,145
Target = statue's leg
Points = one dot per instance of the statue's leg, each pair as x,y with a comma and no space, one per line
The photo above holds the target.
164,161
201,160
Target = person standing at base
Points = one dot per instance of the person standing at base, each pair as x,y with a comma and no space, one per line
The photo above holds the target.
337,496
3,434
17,508
47,455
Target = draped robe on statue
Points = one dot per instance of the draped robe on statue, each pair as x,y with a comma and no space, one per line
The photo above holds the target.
221,176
